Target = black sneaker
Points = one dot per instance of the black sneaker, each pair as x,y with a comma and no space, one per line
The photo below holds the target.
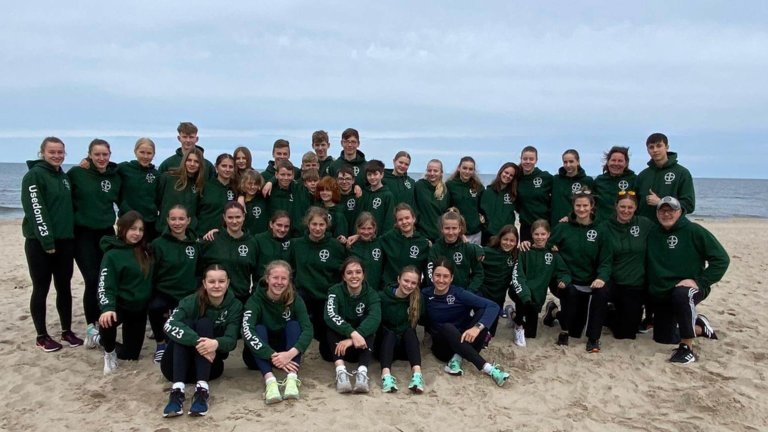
562,339
549,316
706,328
175,405
199,402
593,345
683,355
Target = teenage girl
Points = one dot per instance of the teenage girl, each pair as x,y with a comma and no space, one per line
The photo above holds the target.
497,202
534,190
274,244
570,179
367,248
466,256
256,212
139,186
499,260
464,188
397,179
430,199
182,185
218,192
403,246
327,194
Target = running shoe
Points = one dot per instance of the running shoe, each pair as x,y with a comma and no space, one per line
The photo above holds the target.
417,383
291,390
47,344
361,382
706,328
454,367
272,393
175,405
683,354
562,339
159,352
70,338
342,381
498,375
110,362
519,336
199,405
92,336
549,315
388,384
593,345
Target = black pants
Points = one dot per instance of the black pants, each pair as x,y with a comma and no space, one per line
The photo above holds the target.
316,310
628,309
159,310
495,324
353,355
88,255
675,315
42,268
562,295
526,315
182,363
525,232
586,308
446,341
133,324
398,347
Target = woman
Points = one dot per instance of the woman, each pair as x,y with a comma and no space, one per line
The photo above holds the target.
397,179
403,246
256,215
277,331
367,248
570,178
176,256
124,290
497,202
49,245
273,244
327,194
139,186
458,323
203,330
534,191
401,308
218,192
182,185
616,177
352,314
464,189
430,199
95,191
466,257
500,258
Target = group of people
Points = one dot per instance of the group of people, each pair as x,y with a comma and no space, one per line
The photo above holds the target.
357,256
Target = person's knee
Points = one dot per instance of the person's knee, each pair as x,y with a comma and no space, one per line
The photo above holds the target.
680,295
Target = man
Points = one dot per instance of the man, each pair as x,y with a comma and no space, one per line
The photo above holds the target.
663,177
188,139
684,260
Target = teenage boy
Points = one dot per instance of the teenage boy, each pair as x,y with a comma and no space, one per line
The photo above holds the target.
321,144
309,161
350,156
188,139
663,177
377,199
348,199
281,150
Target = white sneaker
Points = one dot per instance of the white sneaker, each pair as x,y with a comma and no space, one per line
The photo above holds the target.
519,336
342,381
110,362
361,382
92,336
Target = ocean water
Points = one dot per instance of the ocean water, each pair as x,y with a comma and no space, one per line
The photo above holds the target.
715,198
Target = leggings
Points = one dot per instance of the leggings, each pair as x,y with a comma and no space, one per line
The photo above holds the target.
316,310
182,363
353,355
628,303
278,340
675,315
527,316
88,255
398,347
159,310
446,341
586,308
42,268
134,323
525,232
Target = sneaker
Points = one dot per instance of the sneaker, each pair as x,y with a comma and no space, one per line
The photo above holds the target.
199,403
361,382
683,355
342,381
593,345
159,351
71,338
498,375
519,336
549,315
272,393
645,326
291,390
454,367
706,328
562,339
47,344
92,336
110,362
388,384
417,383
175,405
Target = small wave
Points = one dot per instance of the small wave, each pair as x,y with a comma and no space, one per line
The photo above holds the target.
5,209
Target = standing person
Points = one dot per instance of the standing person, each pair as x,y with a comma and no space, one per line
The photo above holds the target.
49,240
273,244
616,177
431,199
663,177
243,162
464,189
377,199
327,193
534,191
466,257
570,179
320,144
348,199
684,261
401,308
497,202
352,314
188,139
138,190
500,257
277,331
95,191
203,331
397,179
125,286
350,156
183,185
310,161
176,256
367,248
256,211
218,192
458,323
281,151
403,246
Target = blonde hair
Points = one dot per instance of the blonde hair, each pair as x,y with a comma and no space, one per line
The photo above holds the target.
144,141
440,186
288,296
414,298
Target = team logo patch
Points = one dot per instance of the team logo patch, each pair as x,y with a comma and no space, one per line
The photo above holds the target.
414,251
150,178
222,318
376,254
330,218
407,184
623,185
351,204
537,182
591,235
287,314
290,197
548,257
230,195
360,309
356,170
376,203
190,251
66,183
256,212
106,185
575,187
458,258
242,250
635,231
473,193
672,241
324,255
194,189
669,177
510,262
286,245
450,299
507,199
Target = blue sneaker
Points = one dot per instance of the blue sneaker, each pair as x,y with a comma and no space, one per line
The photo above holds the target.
175,405
199,402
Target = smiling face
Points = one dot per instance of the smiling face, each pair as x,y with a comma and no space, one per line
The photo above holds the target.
280,227
405,221
326,196
192,164
451,230
353,276
407,283
401,165
374,178
507,175
508,242
668,216
233,219
225,169
350,146
346,182
625,210
216,283
241,161
617,164
466,170
178,221
434,172
281,153
441,278
582,208
317,227
135,233
321,149
366,231
528,161
144,154
187,141
540,237
99,154
284,177
278,280
570,164
251,188
53,153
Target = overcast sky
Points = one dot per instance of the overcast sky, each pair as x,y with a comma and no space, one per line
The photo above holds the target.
441,79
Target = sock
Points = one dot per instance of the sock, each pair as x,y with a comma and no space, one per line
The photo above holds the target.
341,368
362,368
292,375
487,368
456,357
269,380
384,376
417,374
203,385
179,386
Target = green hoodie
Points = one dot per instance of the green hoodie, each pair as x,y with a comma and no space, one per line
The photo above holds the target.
168,197
121,281
350,206
400,186
176,264
498,207
94,195
672,179
325,165
174,161
295,199
467,200
270,172
210,206
345,313
468,272
357,164
338,221
256,215
316,264
586,250
395,310
381,204
274,315
628,243
534,271
45,197
687,251
563,188
401,251
268,249
534,193
139,189
370,253
227,319
607,189
497,269
428,208
237,256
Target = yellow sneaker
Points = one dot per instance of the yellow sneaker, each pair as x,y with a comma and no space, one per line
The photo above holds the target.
272,394
291,390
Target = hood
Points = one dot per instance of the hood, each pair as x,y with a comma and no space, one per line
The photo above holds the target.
110,170
179,152
680,224
536,171
190,238
137,166
42,164
358,160
112,242
579,174
671,161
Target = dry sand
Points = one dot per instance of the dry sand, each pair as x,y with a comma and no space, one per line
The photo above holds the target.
629,386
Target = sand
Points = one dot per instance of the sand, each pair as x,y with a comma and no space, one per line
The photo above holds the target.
629,386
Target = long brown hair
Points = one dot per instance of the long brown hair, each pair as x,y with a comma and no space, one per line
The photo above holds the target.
474,181
506,229
287,297
202,295
140,249
511,188
414,298
183,176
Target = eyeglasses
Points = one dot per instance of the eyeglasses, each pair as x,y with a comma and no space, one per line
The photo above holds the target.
345,179
625,192
582,192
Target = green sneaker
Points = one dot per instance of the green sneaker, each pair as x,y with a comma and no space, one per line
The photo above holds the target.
388,384
417,383
454,367
291,390
272,394
498,375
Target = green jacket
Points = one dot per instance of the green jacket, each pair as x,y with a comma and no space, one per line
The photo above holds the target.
168,197
563,188
401,251
534,271
261,310
295,200
497,269
94,195
670,180
345,314
395,310
498,207
338,221
534,192
400,186
210,206
380,204
586,250
467,200
47,203
428,208
227,319
373,258
256,215
177,262
269,249
350,207
628,243
174,161
237,256
468,272
138,190
316,264
357,164
687,251
325,164
269,172
606,191
121,281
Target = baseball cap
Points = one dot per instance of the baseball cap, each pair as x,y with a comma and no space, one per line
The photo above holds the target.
670,201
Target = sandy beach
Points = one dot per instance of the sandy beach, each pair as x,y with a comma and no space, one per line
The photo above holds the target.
629,386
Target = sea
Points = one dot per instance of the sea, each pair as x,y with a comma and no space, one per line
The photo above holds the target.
715,198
